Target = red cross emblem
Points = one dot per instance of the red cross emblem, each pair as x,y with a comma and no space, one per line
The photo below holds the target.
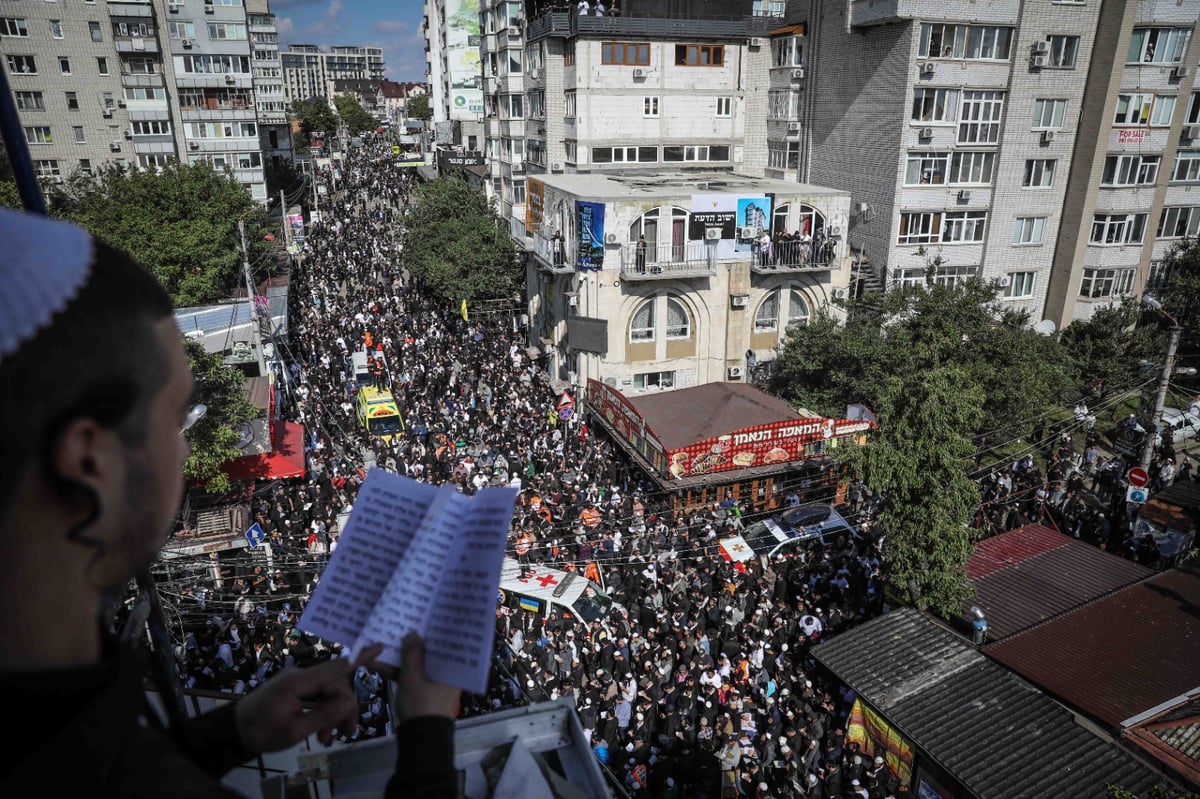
547,580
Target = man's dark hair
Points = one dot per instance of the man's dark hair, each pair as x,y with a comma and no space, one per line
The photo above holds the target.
99,358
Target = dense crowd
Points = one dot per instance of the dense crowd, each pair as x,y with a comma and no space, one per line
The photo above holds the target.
699,681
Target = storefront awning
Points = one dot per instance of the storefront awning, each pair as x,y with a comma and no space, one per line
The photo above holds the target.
800,29
286,458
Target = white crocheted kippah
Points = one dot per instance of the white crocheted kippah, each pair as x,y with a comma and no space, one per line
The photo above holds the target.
43,265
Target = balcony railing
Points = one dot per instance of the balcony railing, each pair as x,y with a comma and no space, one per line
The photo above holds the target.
663,262
815,254
563,22
551,257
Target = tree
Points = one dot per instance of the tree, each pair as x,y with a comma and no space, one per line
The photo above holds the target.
354,115
1108,351
918,458
418,108
214,438
456,244
315,116
1181,293
180,223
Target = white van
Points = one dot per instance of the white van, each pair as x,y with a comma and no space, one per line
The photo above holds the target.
542,589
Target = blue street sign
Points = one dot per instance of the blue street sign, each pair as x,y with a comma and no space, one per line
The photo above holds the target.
255,535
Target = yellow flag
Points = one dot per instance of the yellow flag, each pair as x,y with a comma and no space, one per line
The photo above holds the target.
463,310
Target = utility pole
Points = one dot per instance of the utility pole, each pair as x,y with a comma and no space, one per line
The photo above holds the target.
1164,382
254,324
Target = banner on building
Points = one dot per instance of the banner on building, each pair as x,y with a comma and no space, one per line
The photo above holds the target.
535,202
591,234
296,225
871,731
462,59
733,214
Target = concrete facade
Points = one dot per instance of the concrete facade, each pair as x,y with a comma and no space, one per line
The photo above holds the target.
310,69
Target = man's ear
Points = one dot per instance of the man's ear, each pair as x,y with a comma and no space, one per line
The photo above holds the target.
85,455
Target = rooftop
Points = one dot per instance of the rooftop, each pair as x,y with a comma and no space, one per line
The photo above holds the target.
1034,573
1119,656
688,415
995,733
1173,737
670,183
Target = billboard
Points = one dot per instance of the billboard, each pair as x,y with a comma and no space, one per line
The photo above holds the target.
591,234
535,203
462,58
730,213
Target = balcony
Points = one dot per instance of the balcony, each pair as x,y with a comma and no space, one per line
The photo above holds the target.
136,44
697,259
561,263
794,256
565,24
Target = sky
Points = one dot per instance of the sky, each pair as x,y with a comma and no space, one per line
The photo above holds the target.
394,25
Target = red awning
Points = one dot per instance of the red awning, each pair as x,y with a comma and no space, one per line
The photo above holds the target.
286,458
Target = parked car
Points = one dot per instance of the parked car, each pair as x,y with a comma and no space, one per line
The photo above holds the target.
1128,437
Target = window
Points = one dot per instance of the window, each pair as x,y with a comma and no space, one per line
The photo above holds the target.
38,135
972,169
926,169
649,106
1133,109
935,105
1193,110
641,328
1157,45
64,65
154,160
699,55
132,29
30,101
181,30
72,101
1118,228
140,66
787,51
1048,114
1130,170
1164,109
972,42
962,227
21,64
102,65
646,380
920,227
799,314
783,154
949,276
518,192
47,168
783,104
624,155
152,127
1176,223
227,30
1028,230
980,119
697,153
95,32
515,61
679,324
16,28
107,99
1039,173
85,167
80,136
1020,284
1063,51
1106,282
767,316
569,54
1187,168
56,28
625,53
724,106
515,106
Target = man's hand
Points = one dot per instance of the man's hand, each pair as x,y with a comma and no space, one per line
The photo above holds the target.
415,693
274,716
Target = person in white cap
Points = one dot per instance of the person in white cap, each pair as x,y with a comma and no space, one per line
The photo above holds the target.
95,394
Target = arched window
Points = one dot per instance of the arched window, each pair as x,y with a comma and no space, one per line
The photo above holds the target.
645,225
810,220
767,317
679,324
799,314
641,327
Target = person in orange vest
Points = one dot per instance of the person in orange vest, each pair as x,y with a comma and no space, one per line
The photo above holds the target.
590,516
367,339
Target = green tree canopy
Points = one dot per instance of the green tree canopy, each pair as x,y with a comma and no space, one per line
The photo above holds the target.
354,115
1108,352
456,244
418,108
214,438
1181,294
315,116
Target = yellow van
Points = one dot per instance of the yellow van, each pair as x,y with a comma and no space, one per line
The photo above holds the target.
378,413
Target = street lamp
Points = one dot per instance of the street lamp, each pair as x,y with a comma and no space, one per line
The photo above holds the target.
1164,380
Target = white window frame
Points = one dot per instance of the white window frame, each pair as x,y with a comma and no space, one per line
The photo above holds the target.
928,168
963,227
645,380
1049,113
1157,45
1101,283
928,227
934,106
650,106
15,28
47,168
647,331
1179,222
967,42
38,134
724,107
1064,51
30,100
768,305
1186,168
1130,170
56,29
80,135
1039,173
1163,110
1029,231
1117,230
981,116
677,332
1133,109
978,167
1020,285
16,60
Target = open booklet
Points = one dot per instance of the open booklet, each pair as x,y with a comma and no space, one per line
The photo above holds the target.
417,557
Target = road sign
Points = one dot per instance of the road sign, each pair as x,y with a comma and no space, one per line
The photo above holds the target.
1136,495
255,535
1138,477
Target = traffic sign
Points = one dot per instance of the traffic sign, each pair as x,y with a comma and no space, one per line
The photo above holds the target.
1137,476
255,535
1136,495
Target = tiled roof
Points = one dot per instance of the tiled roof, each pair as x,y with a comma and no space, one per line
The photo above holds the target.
1173,736
1118,656
995,733
1034,573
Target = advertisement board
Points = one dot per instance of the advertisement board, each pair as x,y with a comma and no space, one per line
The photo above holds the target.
731,213
591,234
612,406
462,58
535,202
765,445
296,225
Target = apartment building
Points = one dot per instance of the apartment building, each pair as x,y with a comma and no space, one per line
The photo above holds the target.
270,103
1051,147
309,69
452,65
138,83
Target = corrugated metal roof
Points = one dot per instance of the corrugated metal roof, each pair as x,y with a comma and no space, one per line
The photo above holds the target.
1118,656
1173,737
688,415
1034,573
995,733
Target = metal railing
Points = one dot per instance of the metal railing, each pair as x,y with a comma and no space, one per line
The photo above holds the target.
815,254
655,261
564,22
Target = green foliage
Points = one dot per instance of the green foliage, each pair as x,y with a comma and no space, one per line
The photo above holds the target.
418,108
181,223
315,116
10,197
1181,296
354,115
455,243
1159,791
1107,350
214,438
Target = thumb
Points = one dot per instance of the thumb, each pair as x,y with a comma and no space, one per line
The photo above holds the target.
412,652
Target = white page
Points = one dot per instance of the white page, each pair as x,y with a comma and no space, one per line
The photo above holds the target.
387,512
446,587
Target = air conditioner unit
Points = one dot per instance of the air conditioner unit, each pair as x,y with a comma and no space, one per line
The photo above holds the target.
964,196
107,112
1039,61
534,74
187,43
610,238
572,301
735,373
193,145
208,9
556,167
120,103
514,32
747,233
793,127
926,67
862,208
115,146
1004,281
712,234
638,72
840,293
1190,132
174,9
798,74
925,133
1040,48
739,300
1047,136
755,42
129,134
1178,72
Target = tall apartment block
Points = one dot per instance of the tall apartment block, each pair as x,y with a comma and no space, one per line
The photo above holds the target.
1054,147
309,69
140,82
452,67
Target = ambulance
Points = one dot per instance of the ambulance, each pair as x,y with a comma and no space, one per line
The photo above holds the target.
378,413
542,590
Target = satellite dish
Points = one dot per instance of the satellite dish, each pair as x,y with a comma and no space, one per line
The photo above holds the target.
1046,327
